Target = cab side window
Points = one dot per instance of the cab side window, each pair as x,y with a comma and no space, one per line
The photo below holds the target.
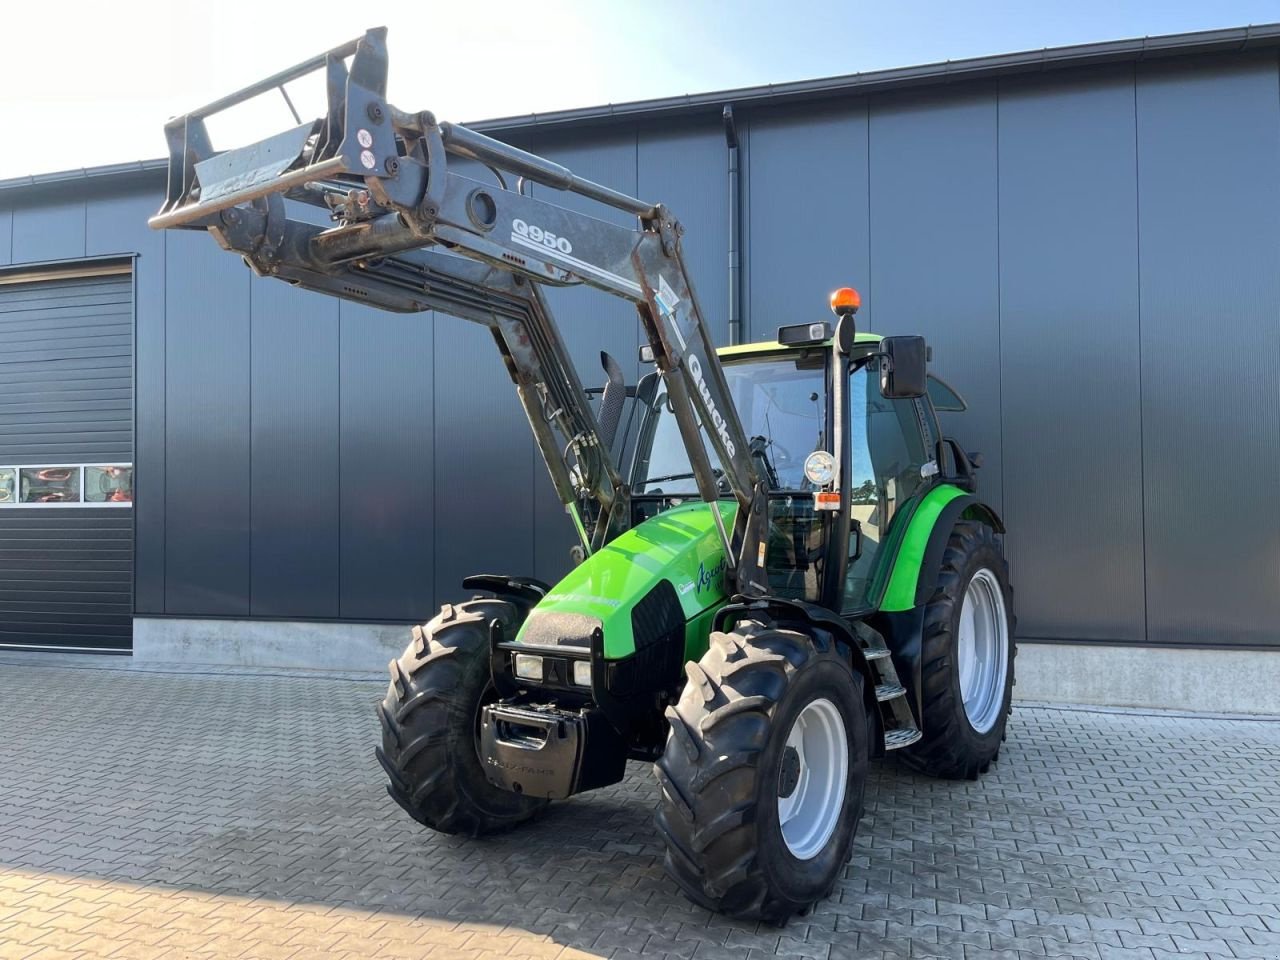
887,454
896,448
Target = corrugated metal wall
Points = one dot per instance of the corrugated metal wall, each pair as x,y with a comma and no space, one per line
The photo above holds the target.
1092,254
1209,235
1070,360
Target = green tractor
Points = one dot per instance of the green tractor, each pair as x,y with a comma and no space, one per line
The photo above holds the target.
783,571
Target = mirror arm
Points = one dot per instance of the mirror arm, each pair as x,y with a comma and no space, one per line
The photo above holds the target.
963,476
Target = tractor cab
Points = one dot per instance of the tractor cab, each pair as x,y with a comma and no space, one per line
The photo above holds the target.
825,531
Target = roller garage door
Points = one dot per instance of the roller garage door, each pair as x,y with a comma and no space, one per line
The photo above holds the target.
66,459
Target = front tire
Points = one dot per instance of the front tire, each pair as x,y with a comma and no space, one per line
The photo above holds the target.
430,722
764,772
967,659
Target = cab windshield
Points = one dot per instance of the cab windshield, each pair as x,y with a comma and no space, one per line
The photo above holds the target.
782,401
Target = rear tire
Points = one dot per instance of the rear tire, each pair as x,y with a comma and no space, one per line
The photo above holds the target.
966,693
735,773
430,721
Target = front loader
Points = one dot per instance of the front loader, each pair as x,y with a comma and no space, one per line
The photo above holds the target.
783,571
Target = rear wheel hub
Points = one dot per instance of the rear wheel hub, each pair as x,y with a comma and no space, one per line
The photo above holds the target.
983,650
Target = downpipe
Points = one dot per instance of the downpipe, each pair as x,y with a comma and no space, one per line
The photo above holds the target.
735,229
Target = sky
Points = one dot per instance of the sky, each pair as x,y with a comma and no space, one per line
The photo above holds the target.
87,82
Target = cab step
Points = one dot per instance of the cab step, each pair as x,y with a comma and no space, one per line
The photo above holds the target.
887,691
902,737
896,718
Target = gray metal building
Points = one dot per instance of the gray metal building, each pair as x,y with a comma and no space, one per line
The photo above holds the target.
1089,237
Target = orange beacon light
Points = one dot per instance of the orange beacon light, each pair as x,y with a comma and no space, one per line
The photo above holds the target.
845,301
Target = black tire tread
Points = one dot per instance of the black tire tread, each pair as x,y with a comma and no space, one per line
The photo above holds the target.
941,752
424,698
718,732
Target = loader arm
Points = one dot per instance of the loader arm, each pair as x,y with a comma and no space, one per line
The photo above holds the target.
411,234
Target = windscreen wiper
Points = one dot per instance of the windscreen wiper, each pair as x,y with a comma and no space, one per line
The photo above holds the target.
687,475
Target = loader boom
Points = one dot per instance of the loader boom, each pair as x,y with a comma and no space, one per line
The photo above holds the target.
411,234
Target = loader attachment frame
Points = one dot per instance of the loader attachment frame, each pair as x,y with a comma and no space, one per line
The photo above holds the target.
411,234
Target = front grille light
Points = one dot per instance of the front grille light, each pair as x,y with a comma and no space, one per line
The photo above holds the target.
529,667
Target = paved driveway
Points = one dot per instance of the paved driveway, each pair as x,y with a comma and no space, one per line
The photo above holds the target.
147,813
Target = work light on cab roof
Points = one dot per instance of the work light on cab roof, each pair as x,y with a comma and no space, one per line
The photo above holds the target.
844,303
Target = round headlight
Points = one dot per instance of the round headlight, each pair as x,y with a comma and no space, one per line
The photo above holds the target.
820,468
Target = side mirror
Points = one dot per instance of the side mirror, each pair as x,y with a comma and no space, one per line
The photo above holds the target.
903,373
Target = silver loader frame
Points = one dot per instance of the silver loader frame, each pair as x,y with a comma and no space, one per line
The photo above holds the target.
410,234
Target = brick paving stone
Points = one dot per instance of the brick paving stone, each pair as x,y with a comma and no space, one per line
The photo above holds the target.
223,813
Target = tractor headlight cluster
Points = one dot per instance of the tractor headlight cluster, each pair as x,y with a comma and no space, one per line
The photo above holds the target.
528,667
533,668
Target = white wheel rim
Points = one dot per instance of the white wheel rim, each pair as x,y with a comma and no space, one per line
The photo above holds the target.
982,650
809,813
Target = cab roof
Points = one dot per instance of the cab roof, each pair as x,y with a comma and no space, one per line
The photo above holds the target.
773,346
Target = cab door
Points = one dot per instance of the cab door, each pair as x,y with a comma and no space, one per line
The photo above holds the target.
888,458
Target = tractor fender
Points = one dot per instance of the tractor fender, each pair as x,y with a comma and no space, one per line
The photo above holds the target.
900,618
780,610
967,507
918,549
524,593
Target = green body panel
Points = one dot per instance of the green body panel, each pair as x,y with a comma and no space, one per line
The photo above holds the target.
681,545
908,552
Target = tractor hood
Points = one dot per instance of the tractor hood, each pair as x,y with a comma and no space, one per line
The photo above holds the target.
658,575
